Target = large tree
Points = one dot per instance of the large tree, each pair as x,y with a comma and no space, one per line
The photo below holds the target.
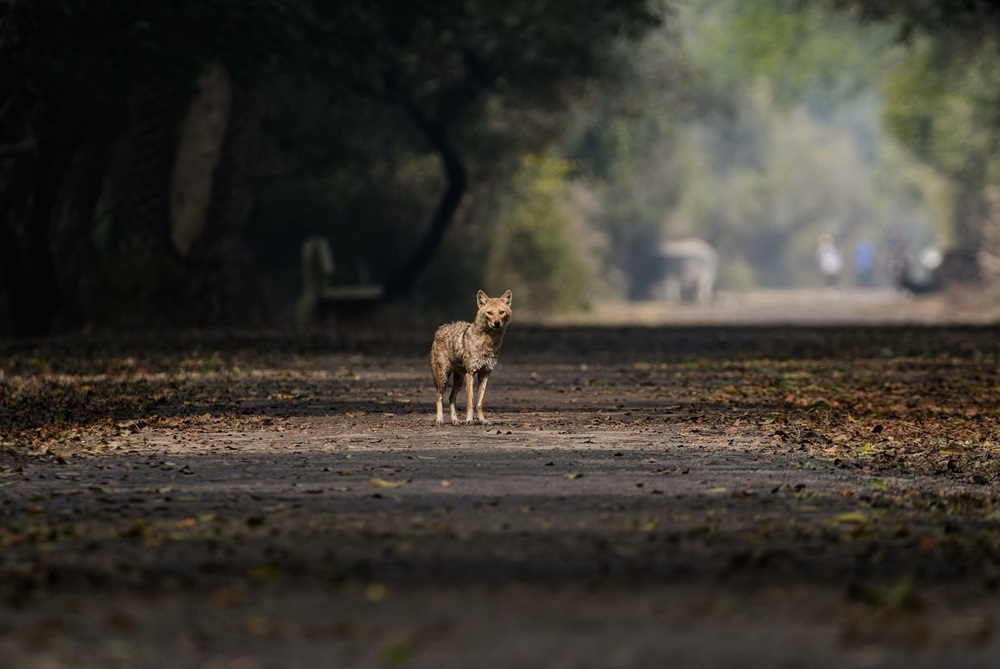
108,85
94,94
461,74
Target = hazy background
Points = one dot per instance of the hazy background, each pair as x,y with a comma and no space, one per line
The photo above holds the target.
161,165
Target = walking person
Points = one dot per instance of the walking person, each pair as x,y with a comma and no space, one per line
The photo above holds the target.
864,263
830,261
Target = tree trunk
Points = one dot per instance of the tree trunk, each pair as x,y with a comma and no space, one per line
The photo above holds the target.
142,282
402,283
76,261
970,205
198,152
224,285
26,258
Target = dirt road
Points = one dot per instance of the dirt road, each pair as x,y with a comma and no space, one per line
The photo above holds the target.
688,496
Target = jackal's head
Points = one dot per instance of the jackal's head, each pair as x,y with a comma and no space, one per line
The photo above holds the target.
494,312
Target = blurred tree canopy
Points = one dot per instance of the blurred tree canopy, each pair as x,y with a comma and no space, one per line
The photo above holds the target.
142,144
161,163
942,102
754,125
540,251
787,125
787,119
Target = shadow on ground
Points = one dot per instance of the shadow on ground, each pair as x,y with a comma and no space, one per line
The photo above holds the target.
669,496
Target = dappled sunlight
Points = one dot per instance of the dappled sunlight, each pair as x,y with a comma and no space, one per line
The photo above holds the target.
850,465
747,410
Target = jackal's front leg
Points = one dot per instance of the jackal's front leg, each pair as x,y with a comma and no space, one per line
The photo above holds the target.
468,397
483,378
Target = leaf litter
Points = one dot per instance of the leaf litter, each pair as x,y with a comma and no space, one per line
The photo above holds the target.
137,429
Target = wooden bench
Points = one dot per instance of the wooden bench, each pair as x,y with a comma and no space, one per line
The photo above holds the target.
319,293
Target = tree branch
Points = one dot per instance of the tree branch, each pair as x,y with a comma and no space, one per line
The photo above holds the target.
401,284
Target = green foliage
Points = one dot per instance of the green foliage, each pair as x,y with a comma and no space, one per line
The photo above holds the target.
953,19
943,109
806,55
483,81
769,139
537,249
801,176
626,143
941,103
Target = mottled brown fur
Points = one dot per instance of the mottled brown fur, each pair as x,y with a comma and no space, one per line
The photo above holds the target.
463,351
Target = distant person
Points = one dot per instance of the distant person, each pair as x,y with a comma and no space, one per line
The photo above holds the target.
864,263
830,262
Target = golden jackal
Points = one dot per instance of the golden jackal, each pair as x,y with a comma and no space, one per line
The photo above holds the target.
464,350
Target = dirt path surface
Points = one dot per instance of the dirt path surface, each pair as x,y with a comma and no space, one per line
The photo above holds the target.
688,496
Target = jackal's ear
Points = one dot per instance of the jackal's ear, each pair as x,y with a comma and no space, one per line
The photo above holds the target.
507,297
481,298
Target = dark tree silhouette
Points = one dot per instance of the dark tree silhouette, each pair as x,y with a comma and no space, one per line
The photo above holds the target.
106,85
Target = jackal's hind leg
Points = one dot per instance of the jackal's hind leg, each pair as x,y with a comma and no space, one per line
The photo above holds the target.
457,381
439,415
440,381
